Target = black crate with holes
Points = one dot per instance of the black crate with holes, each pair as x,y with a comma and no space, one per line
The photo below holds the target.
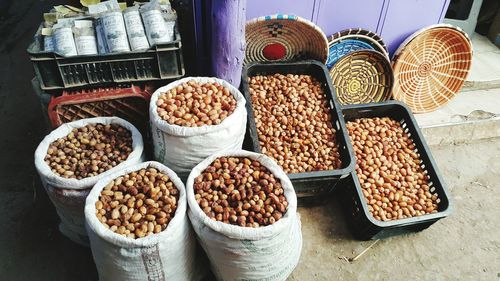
361,223
162,62
311,187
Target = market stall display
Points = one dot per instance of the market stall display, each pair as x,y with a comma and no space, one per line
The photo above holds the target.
73,157
353,39
296,129
242,205
284,38
431,66
138,227
362,76
396,187
261,250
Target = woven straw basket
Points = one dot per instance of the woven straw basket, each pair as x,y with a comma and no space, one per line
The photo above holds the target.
284,38
362,76
431,66
354,39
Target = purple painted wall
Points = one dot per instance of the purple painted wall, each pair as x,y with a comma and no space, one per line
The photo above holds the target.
259,8
336,15
394,20
405,17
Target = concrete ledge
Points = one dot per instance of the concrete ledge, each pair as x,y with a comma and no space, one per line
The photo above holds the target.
470,116
463,132
480,85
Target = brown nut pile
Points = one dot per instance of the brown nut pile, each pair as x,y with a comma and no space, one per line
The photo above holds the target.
240,191
138,204
389,170
194,104
89,151
293,121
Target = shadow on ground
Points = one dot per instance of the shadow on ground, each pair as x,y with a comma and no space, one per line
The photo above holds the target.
31,248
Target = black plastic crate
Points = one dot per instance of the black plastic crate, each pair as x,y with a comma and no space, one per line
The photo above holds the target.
311,187
360,221
160,62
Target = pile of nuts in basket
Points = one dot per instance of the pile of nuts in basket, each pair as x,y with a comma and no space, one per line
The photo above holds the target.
138,204
294,123
89,151
240,191
389,170
194,104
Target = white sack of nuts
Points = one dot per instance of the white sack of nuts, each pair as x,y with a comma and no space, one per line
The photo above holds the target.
200,134
166,254
250,252
68,194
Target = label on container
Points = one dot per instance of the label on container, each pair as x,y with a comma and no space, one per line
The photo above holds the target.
64,42
47,31
86,45
98,8
101,38
156,27
48,43
116,34
170,30
83,24
135,30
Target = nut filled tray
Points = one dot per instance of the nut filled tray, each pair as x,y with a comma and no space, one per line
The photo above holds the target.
313,185
352,195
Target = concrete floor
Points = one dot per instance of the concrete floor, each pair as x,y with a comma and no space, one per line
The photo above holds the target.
485,69
465,246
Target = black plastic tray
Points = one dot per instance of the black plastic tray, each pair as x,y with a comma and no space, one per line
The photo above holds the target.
311,187
360,221
160,62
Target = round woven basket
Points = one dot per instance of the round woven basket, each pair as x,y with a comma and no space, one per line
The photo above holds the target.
354,39
431,66
362,76
284,38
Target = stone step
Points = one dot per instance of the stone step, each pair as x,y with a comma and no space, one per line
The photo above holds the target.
470,116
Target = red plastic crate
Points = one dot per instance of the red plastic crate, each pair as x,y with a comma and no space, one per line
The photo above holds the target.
129,102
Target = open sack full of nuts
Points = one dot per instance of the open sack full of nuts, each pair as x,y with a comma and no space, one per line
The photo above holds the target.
73,157
138,227
193,118
244,211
